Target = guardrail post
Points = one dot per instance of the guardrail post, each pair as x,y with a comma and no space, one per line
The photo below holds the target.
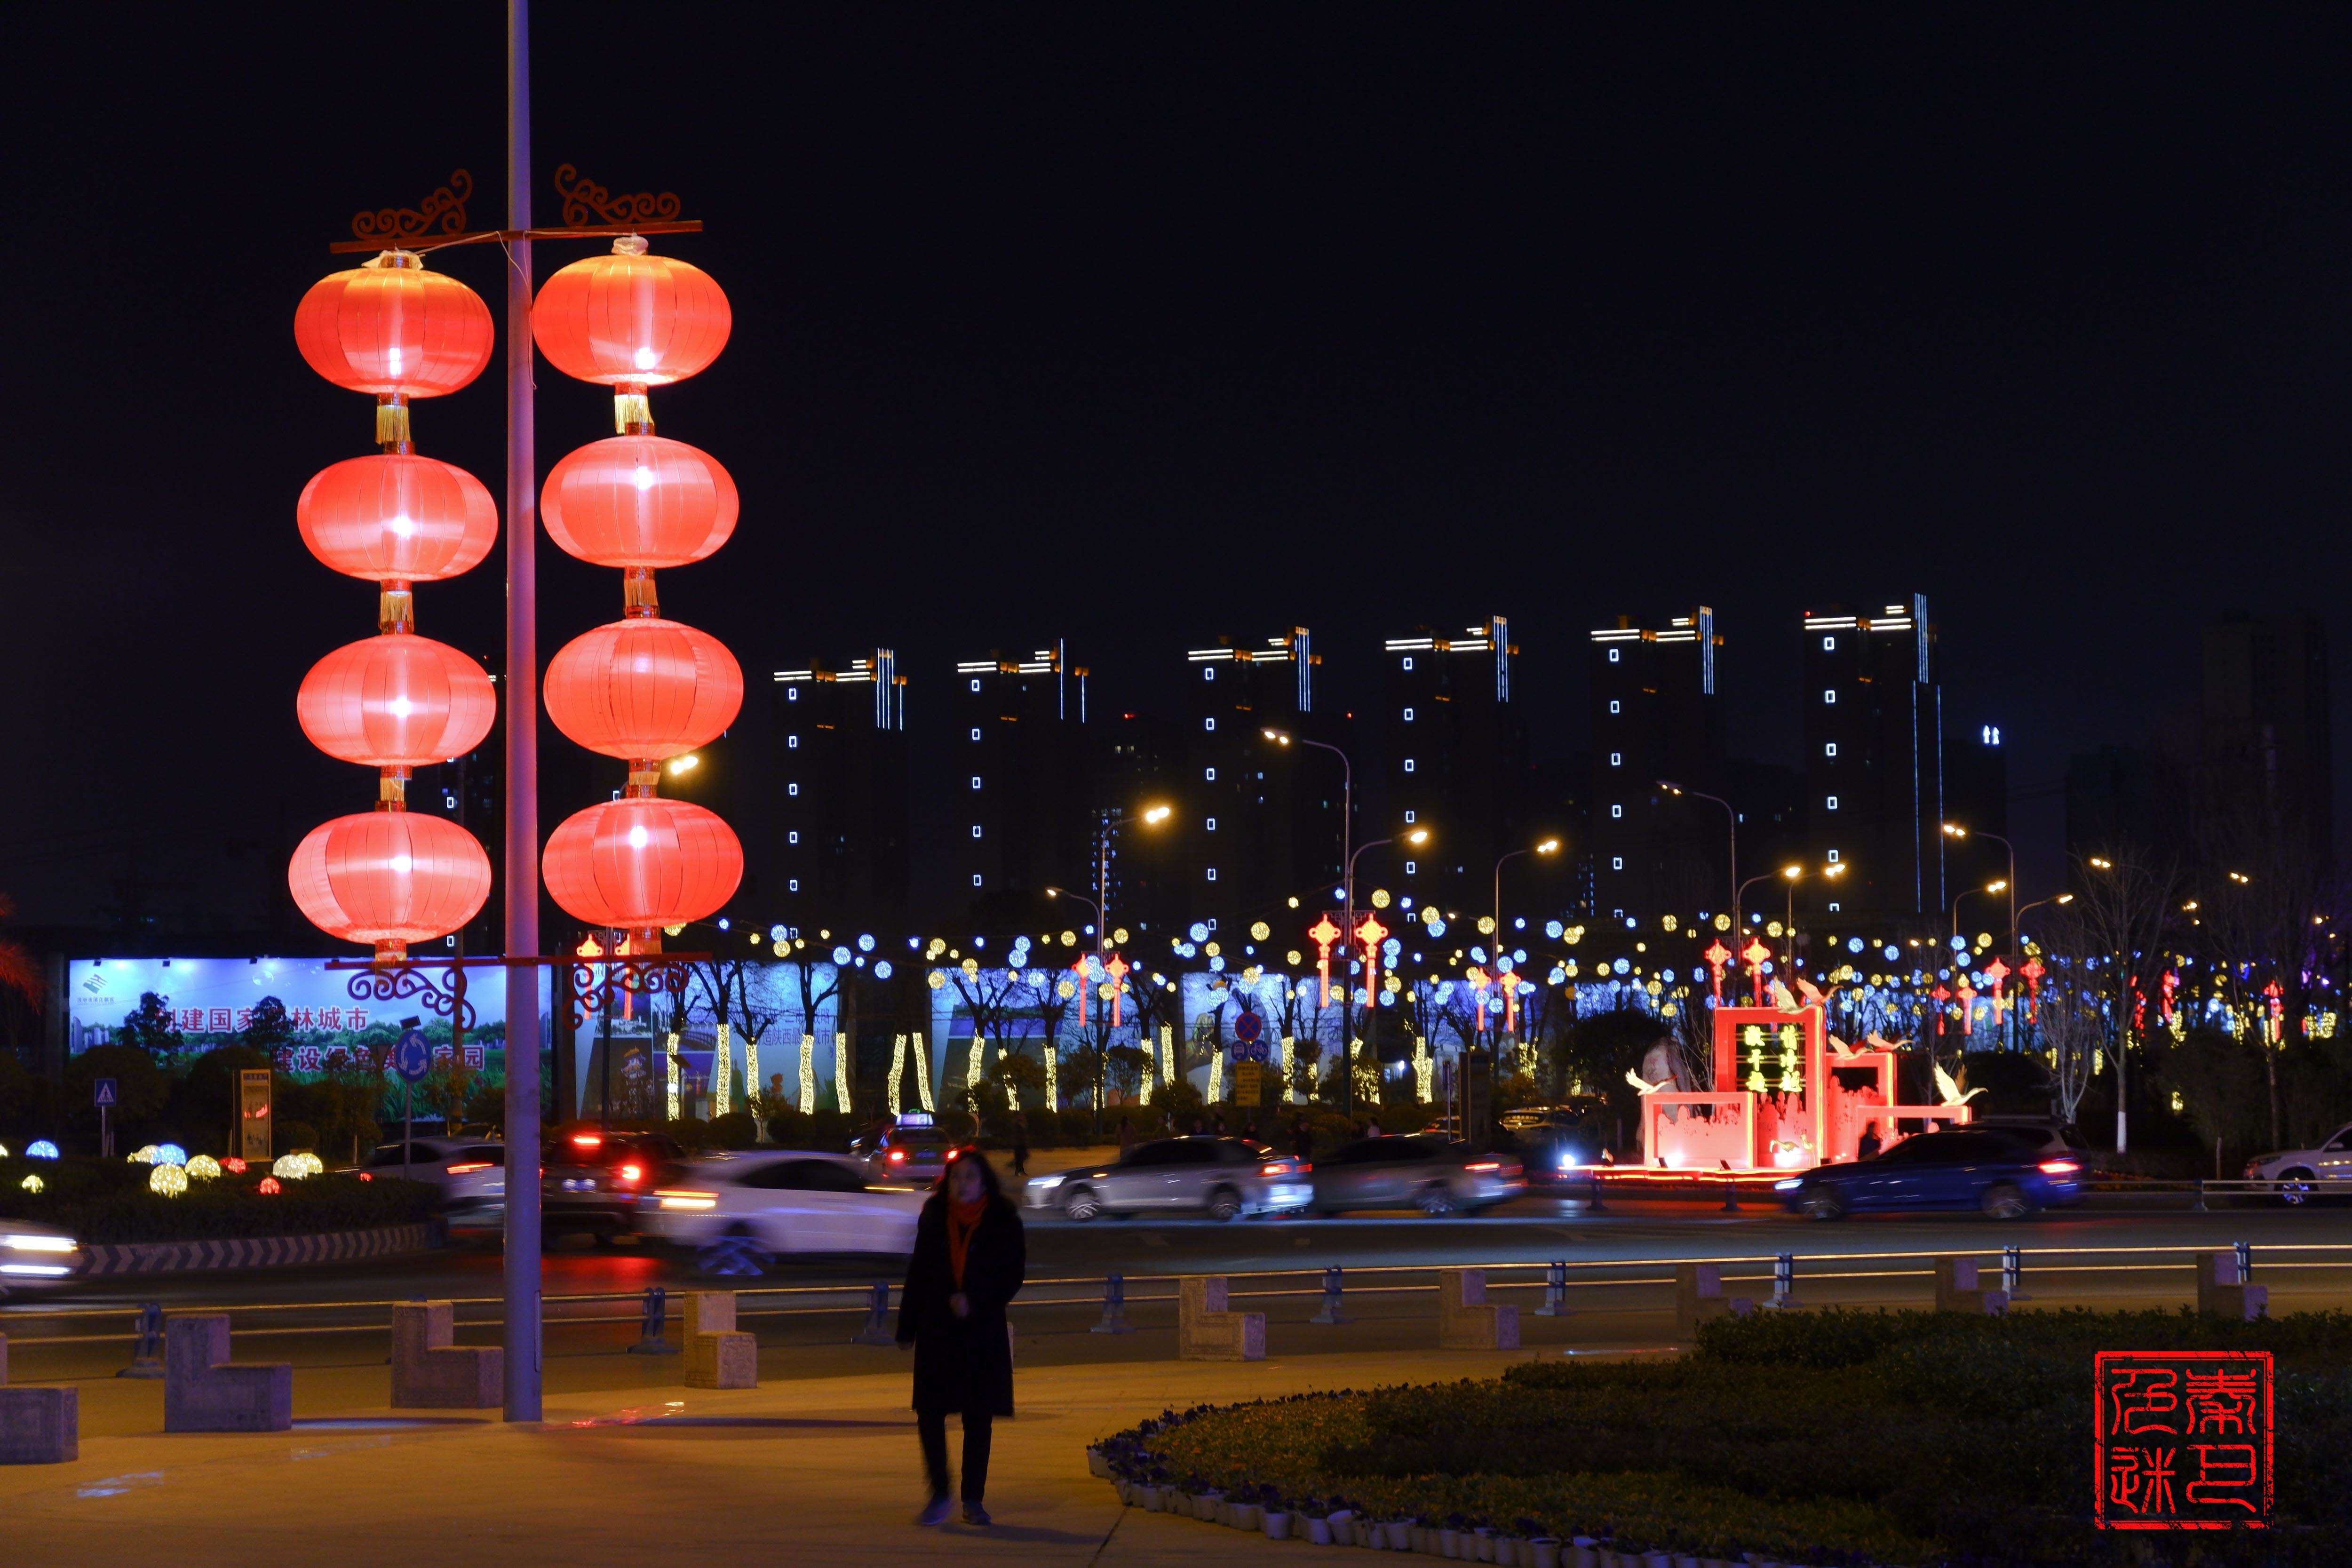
2013,1273
2199,1206
1784,1279
1555,1302
1330,1313
2245,1261
1731,1194
147,1352
1592,1204
652,1330
1114,1318
878,1330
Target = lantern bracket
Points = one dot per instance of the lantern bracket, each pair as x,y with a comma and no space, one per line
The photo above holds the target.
442,212
414,976
439,220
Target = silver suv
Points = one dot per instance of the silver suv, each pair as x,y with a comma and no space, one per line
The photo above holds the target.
471,1174
1435,1174
1223,1178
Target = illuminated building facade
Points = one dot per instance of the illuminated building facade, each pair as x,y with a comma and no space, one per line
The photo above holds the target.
1017,787
1259,822
836,786
1454,751
1874,762
1655,716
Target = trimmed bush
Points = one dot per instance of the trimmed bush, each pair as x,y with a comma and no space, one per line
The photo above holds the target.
107,1201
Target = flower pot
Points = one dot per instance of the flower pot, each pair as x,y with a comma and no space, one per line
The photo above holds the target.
1507,1551
1210,1506
1543,1551
1097,1466
1485,1539
1449,1543
1399,1533
1318,1531
1243,1515
1155,1499
1277,1526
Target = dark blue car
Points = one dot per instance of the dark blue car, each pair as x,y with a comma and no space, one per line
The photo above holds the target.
2003,1174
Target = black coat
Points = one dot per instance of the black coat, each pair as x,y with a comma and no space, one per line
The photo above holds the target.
964,1365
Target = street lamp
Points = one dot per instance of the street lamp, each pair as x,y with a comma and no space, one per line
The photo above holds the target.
1993,886
1112,821
1793,875
1673,788
1347,878
2123,1026
1549,846
1954,831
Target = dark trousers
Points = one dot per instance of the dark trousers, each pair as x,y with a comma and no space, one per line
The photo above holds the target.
932,1429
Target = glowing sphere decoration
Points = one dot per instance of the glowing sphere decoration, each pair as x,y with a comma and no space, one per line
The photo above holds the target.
167,1181
170,1154
398,517
41,1149
630,319
204,1168
269,1187
391,328
642,862
396,700
644,688
32,1183
389,878
143,1155
639,500
233,1165
295,1167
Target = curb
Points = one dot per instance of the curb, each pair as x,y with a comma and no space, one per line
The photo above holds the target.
255,1252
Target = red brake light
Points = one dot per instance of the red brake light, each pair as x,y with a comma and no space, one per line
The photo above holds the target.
630,1173
2059,1167
897,1153
469,1167
1484,1165
586,1140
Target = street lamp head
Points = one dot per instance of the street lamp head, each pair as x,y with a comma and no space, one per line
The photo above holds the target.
1277,736
1418,835
685,764
1157,813
2063,898
2239,877
1052,892
2103,865
1670,787
1792,872
1549,846
1835,870
1955,830
1996,886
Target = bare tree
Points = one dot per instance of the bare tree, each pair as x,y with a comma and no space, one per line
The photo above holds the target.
2127,902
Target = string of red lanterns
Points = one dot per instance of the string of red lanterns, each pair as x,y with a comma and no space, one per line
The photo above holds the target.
396,700
642,688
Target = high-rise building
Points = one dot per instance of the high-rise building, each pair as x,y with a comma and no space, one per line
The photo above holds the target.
1260,822
1874,762
2264,738
835,787
1455,762
1655,718
1021,821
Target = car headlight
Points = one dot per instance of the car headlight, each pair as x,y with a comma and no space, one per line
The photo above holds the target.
39,1242
1788,1184
1047,1184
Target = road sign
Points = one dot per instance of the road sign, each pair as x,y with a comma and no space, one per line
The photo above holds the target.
1249,1038
101,1092
1245,1082
253,1114
412,1058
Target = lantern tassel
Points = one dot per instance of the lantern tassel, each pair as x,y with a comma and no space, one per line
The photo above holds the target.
638,595
392,431
633,411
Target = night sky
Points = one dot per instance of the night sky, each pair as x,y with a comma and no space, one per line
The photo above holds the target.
1139,327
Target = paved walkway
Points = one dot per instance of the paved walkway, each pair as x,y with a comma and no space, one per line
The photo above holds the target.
819,1471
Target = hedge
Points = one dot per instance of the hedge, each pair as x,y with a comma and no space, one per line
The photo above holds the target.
107,1201
1900,1437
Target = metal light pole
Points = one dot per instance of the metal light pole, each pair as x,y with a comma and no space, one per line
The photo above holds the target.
522,1334
1347,894
1966,892
1957,831
1673,788
1549,845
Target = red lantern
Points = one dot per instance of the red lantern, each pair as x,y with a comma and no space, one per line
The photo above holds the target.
389,878
398,517
630,319
396,701
644,688
393,329
642,862
639,500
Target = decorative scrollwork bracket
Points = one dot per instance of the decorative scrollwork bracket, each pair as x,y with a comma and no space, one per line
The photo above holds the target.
652,975
587,203
399,982
441,215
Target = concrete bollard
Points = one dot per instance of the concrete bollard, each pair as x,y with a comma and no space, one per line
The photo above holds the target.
1466,1320
1114,1318
2013,1273
878,1330
1207,1330
1698,1297
1555,1302
147,1347
1961,1288
1330,1312
1784,1280
2222,1287
718,1354
653,1325
203,1391
38,1425
430,1371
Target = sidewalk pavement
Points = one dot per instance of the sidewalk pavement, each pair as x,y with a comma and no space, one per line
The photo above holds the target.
819,1471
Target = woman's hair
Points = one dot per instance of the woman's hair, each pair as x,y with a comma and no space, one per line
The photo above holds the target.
988,1181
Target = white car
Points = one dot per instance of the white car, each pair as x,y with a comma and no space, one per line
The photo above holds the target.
34,1256
471,1174
2301,1171
745,1210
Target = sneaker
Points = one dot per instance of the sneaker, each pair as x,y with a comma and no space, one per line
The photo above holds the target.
975,1514
934,1512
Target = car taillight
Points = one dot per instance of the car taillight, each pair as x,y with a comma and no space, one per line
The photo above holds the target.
469,1167
1280,1168
688,1200
2059,1167
898,1154
586,1140
631,1172
1484,1165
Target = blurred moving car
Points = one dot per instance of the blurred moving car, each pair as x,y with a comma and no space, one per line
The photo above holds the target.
1436,1175
35,1256
2004,1172
471,1174
597,1182
1224,1178
908,1147
2057,1138
1554,1139
741,1212
2301,1173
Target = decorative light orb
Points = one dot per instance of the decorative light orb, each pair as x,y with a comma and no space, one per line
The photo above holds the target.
41,1149
391,326
639,500
233,1165
643,687
170,1154
1260,931
4,1151
389,877
1381,898
295,1167
631,320
167,1181
396,700
642,862
269,1187
32,1183
143,1155
204,1168
398,517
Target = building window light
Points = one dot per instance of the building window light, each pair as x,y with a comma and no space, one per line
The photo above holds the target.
1828,696
975,831
792,789
1616,811
1408,715
793,836
1832,803
1616,759
975,686
975,731
1829,644
792,742
1212,825
1213,873
1210,775
1616,862
975,780
1613,705
1408,765
1830,749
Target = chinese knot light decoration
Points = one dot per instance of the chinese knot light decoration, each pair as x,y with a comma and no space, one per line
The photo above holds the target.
642,688
396,700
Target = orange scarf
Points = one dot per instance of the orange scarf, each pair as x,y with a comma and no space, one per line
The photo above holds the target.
963,1220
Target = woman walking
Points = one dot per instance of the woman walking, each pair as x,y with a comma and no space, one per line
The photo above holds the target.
970,1258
